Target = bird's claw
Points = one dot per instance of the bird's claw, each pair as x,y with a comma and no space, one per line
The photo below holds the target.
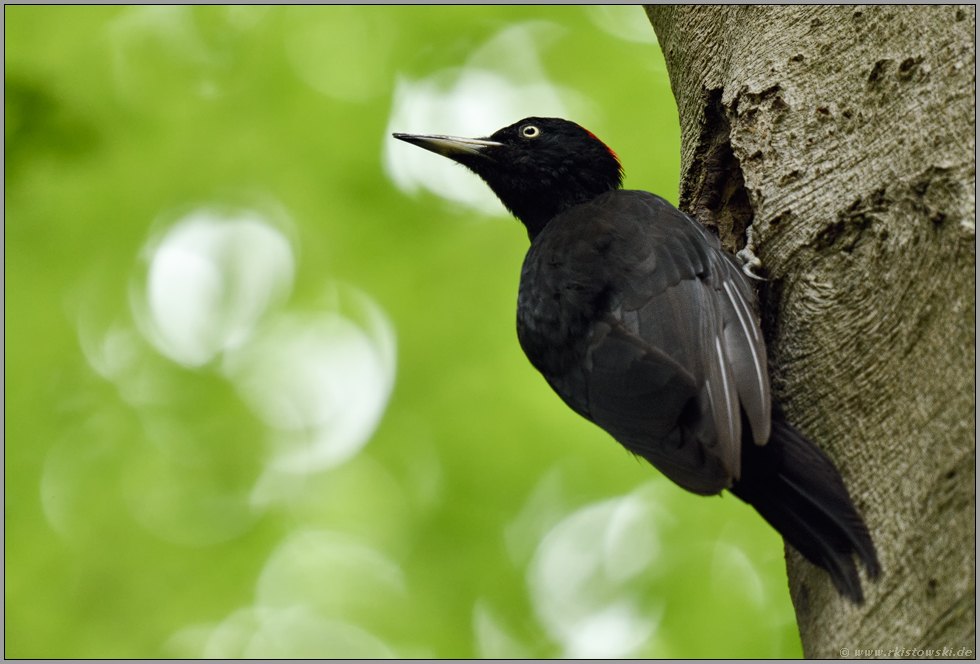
750,263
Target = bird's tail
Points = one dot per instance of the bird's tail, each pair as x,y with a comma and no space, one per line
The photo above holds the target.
798,490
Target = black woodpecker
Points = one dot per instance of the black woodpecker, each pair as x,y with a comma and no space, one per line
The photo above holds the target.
642,324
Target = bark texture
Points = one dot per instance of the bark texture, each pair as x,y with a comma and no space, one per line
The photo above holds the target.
844,139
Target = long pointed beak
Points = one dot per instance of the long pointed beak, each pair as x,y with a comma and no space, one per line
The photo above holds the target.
449,146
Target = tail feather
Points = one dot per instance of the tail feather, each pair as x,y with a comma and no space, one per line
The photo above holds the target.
841,569
798,490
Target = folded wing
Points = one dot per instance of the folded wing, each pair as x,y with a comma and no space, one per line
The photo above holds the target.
673,364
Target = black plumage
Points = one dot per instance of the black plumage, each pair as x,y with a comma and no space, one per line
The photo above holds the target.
641,323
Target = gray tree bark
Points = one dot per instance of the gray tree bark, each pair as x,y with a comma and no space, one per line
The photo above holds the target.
843,138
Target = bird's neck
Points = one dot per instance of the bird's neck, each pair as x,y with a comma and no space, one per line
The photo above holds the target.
537,211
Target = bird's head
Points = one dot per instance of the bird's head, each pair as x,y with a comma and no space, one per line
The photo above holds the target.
538,167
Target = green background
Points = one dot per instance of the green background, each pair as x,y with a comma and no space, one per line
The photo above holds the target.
116,122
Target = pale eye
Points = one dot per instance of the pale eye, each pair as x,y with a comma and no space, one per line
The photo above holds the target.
530,131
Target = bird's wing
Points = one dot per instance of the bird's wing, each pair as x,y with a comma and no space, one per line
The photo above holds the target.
682,416
683,339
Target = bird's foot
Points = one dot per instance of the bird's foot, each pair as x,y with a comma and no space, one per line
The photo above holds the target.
750,262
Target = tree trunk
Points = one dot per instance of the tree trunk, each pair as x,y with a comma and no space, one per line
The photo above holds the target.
844,137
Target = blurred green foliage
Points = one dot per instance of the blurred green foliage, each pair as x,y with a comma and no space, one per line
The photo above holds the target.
116,117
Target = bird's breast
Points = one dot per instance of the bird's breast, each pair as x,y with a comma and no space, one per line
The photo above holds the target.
564,291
